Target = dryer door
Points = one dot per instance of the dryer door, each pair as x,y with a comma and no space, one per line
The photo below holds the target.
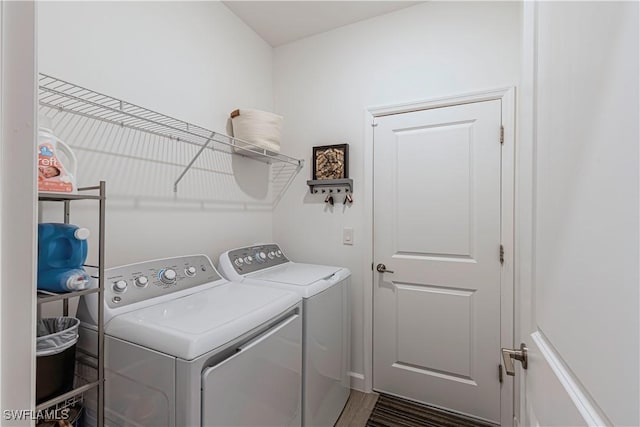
260,383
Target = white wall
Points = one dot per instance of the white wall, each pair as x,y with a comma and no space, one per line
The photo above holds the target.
579,202
324,83
195,61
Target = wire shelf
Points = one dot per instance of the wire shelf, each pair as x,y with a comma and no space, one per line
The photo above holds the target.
68,97
69,398
46,296
64,197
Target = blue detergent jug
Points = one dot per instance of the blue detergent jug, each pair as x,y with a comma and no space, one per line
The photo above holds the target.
61,246
62,251
63,280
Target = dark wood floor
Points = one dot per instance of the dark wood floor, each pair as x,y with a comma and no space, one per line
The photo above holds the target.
357,410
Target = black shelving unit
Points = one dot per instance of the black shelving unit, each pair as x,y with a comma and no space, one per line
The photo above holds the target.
72,397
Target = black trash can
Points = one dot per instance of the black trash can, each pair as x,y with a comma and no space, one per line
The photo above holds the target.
55,356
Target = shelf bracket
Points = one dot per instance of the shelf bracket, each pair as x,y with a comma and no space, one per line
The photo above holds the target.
206,144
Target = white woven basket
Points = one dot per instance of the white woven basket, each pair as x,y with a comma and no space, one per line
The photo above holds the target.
257,127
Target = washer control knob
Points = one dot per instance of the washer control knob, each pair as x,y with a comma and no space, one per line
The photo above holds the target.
278,253
190,271
120,286
141,281
248,259
271,255
168,276
261,257
238,262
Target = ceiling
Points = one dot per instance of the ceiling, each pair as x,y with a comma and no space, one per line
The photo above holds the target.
280,22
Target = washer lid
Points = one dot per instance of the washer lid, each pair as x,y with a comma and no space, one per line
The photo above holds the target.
190,326
296,274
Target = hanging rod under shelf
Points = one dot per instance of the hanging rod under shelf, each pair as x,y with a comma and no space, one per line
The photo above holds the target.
68,97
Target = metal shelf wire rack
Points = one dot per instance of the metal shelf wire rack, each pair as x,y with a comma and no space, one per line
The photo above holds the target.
68,97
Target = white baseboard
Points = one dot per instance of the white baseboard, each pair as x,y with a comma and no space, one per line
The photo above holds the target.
357,382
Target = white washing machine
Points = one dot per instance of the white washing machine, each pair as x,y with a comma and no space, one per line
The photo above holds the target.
184,347
326,322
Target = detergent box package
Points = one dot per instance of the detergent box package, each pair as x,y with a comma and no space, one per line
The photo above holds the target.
54,176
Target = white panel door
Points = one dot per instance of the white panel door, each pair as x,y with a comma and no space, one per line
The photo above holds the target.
437,227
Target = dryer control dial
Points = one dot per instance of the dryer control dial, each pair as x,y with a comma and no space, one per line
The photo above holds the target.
168,276
248,259
190,271
120,286
141,281
261,257
238,262
278,253
271,254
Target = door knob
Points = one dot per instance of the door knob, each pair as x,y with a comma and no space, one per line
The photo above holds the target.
509,354
383,269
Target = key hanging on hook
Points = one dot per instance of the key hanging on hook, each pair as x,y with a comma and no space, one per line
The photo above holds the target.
348,199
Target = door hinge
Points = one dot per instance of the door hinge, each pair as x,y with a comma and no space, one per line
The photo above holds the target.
501,254
501,134
371,266
500,373
373,124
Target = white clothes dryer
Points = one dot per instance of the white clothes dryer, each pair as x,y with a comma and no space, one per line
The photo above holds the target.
184,347
326,322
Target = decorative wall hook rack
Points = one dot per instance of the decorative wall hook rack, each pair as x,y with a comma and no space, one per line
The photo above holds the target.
344,185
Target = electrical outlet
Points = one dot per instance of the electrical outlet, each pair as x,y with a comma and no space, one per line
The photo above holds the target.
347,236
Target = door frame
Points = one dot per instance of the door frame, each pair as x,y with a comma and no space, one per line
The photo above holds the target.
507,96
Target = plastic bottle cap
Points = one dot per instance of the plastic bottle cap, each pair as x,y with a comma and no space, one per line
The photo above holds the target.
77,282
81,234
